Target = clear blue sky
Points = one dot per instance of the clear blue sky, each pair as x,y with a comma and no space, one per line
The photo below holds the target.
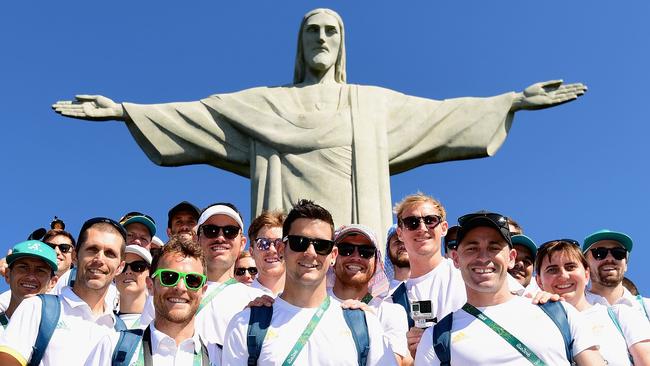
563,172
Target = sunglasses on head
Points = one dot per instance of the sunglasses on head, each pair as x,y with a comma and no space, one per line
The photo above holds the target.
212,231
299,243
413,222
63,248
570,241
601,253
264,244
136,266
365,251
135,213
102,220
240,271
170,277
500,220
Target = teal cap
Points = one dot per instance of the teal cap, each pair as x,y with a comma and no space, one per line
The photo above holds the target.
34,249
525,241
605,234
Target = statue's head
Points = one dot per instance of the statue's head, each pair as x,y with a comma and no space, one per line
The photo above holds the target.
315,52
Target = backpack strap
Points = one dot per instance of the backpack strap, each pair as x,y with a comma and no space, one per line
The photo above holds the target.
72,277
258,325
119,323
126,346
4,320
50,313
442,339
557,313
356,320
401,298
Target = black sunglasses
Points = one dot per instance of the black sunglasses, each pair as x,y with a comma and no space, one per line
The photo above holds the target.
601,253
136,266
240,271
299,243
212,231
264,244
570,241
63,248
365,251
500,220
413,222
98,220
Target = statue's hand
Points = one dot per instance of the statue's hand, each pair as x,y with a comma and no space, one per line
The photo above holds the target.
90,107
547,94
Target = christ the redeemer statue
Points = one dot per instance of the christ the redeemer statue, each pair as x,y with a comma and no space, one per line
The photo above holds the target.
321,138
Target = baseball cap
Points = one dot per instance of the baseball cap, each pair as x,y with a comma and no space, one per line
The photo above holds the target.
483,219
146,220
605,234
139,251
526,242
34,249
156,240
347,230
220,210
183,206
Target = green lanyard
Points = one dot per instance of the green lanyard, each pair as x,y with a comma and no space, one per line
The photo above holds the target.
514,342
640,300
148,359
302,340
367,299
4,320
207,298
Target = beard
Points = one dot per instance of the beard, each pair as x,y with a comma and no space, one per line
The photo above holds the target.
399,261
176,316
607,279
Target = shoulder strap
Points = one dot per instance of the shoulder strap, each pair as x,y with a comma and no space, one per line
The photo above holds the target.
400,297
205,357
4,320
442,339
72,277
356,320
639,298
557,313
119,323
258,325
50,313
614,318
126,346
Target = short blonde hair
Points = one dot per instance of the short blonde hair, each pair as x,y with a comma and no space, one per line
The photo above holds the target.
418,198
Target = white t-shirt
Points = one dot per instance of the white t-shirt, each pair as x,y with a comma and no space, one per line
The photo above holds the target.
613,345
627,299
331,343
392,319
164,351
76,333
212,320
474,343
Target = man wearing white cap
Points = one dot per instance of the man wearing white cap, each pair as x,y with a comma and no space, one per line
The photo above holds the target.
132,286
607,253
221,236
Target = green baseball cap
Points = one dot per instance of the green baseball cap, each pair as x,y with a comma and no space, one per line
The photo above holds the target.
34,249
605,234
526,242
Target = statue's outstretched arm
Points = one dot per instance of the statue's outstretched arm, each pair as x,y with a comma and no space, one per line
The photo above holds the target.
90,107
547,94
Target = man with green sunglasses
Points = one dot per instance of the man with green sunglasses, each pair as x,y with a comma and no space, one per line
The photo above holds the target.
177,284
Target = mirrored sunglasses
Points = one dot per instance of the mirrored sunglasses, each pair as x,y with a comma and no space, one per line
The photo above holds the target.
413,222
299,243
63,248
365,251
170,277
240,271
601,253
264,244
136,266
212,231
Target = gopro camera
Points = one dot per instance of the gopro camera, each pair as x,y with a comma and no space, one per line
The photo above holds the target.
421,313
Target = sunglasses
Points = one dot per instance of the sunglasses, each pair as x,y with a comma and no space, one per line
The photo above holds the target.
264,244
413,222
601,253
136,266
240,271
570,241
500,220
212,231
102,220
170,277
135,213
365,251
64,248
299,243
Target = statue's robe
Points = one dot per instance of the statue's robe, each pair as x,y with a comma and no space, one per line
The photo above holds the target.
341,155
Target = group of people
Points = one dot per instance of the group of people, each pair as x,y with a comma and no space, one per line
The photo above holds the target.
476,293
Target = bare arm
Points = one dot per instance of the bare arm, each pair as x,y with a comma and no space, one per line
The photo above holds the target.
589,357
90,107
547,94
641,353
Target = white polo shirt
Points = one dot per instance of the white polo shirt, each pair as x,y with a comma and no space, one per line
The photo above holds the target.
5,298
263,290
474,343
76,333
213,318
642,304
330,344
164,351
